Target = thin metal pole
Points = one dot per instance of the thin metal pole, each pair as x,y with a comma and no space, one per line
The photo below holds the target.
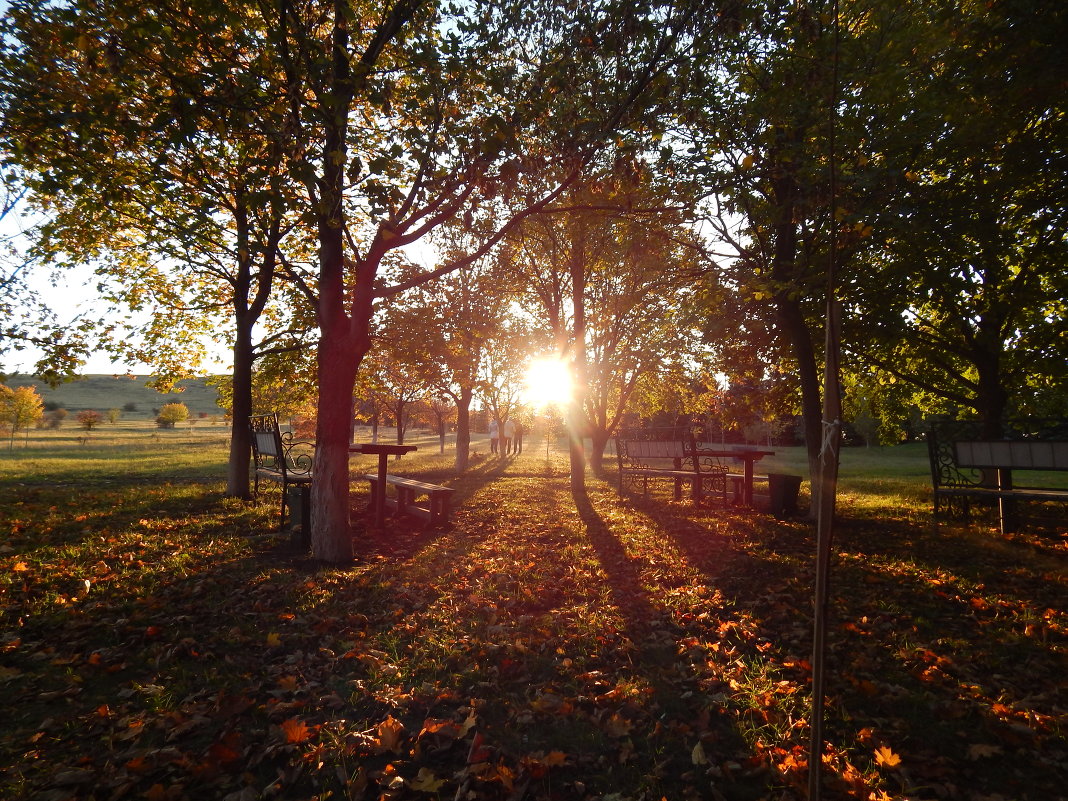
829,453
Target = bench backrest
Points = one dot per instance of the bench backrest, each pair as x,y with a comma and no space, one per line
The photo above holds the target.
1015,454
649,449
667,447
267,449
275,450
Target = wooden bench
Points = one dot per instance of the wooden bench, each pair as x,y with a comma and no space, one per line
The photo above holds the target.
277,457
967,468
436,510
646,455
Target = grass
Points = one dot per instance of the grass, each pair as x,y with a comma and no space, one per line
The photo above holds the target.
104,392
160,641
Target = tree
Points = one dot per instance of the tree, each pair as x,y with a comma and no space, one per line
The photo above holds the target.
442,411
967,300
172,188
793,121
504,361
172,413
633,260
480,112
88,419
20,408
447,326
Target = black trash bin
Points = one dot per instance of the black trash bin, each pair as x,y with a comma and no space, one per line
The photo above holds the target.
298,499
783,490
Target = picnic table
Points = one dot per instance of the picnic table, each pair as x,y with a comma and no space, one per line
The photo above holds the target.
748,456
383,451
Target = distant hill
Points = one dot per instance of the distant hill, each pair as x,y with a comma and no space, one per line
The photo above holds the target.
103,392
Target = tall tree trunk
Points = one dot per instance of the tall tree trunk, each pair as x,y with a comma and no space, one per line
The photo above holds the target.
237,469
576,415
795,327
598,442
463,428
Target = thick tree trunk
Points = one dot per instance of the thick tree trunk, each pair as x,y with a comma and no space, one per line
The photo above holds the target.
598,442
991,398
237,470
463,428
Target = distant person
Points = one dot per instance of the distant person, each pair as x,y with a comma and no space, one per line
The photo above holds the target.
509,433
517,443
494,436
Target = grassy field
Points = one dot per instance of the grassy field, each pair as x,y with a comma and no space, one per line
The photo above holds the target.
161,641
103,392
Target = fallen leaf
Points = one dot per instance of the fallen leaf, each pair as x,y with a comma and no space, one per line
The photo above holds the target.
425,781
981,750
296,731
698,756
886,758
390,734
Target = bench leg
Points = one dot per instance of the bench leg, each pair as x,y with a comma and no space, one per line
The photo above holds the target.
439,508
405,497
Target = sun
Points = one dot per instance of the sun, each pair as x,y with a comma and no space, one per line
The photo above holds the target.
548,382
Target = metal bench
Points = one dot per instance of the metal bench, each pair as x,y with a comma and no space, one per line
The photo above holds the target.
965,468
436,510
650,454
277,457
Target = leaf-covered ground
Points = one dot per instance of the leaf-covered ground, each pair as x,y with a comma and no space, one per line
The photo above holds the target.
161,642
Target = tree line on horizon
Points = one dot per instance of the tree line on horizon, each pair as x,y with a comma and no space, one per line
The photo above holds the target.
351,193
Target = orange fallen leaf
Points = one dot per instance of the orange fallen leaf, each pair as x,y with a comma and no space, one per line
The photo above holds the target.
886,758
296,731
390,732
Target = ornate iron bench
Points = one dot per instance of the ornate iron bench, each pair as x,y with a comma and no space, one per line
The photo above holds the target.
277,457
651,454
967,468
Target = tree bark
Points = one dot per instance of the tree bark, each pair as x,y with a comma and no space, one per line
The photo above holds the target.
463,428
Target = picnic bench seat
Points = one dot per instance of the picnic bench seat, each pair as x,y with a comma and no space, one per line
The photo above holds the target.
436,510
278,457
965,468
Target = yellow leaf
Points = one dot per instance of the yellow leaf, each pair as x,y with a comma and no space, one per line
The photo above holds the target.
273,639
886,758
698,756
747,162
426,782
618,726
20,567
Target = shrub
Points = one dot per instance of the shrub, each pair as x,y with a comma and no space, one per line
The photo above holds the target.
172,413
113,415
53,419
89,419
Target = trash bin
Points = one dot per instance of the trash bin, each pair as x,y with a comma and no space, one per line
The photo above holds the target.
783,490
298,499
